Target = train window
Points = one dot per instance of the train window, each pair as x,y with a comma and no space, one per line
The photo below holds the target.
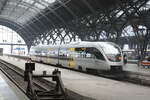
88,52
37,52
56,52
53,52
110,49
80,52
63,52
94,53
98,54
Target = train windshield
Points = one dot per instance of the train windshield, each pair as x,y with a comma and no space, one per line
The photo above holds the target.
112,52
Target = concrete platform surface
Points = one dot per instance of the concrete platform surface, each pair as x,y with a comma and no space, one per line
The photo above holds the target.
8,91
136,69
91,87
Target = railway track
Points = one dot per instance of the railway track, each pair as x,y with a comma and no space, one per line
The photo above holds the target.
121,76
16,75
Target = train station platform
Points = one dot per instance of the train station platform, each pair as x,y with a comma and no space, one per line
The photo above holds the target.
8,91
82,86
134,68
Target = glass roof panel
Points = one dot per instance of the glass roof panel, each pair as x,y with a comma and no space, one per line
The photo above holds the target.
49,1
24,10
23,6
29,1
39,6
46,2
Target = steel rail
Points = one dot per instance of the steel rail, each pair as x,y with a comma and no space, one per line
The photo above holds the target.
4,67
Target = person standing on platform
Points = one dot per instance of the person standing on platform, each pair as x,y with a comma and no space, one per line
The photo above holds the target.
125,58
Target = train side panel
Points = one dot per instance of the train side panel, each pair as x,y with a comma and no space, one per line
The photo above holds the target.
82,58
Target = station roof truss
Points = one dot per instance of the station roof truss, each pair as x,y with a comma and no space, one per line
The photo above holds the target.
37,20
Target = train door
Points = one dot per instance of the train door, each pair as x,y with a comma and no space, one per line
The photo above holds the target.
83,58
38,55
63,60
44,55
90,58
48,56
100,61
71,58
54,56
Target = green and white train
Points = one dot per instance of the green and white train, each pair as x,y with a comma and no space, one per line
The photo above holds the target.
82,56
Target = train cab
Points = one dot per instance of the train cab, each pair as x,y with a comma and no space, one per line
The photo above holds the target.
113,55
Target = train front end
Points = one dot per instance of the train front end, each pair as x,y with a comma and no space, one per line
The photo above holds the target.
113,56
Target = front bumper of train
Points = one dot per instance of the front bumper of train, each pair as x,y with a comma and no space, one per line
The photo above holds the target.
115,68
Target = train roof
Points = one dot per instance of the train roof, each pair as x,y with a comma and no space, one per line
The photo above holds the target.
85,44
74,44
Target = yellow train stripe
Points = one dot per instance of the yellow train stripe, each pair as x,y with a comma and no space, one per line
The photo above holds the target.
72,49
71,59
49,59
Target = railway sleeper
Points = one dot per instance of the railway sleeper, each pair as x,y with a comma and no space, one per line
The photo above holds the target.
57,93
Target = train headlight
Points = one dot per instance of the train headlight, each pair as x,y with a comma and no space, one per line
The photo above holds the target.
112,59
118,58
